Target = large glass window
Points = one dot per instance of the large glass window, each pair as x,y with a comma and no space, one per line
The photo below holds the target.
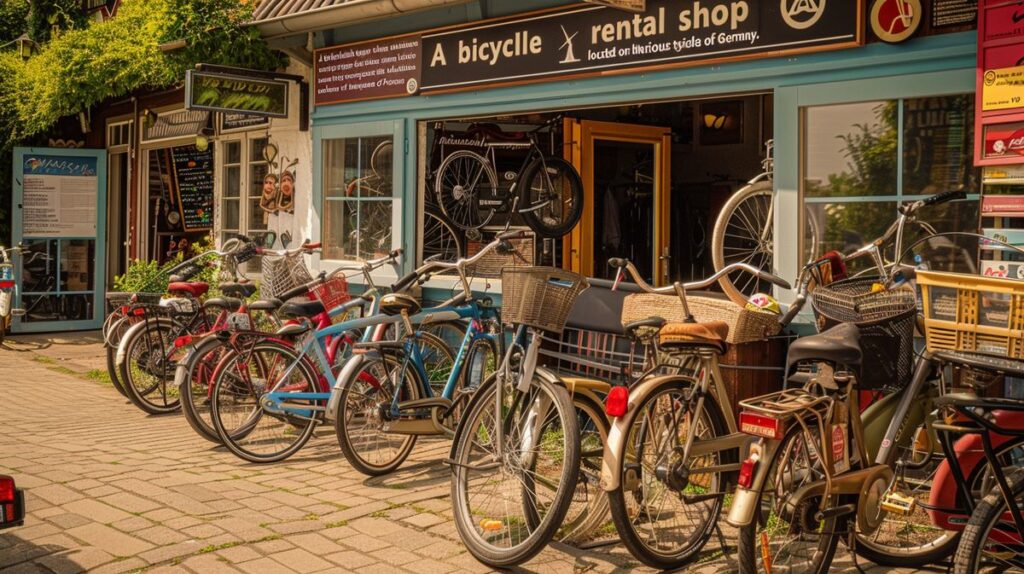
244,174
358,197
862,159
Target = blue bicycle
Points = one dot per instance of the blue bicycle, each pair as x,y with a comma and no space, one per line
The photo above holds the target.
386,397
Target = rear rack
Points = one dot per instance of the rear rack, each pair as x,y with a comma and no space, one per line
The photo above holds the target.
789,402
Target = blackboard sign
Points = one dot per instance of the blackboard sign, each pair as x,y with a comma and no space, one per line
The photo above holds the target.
953,12
193,186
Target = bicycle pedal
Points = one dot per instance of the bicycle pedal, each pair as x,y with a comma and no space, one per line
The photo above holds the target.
897,503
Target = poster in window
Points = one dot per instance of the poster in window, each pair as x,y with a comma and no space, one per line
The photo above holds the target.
60,196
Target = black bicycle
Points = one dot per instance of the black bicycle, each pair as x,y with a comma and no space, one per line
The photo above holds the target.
546,190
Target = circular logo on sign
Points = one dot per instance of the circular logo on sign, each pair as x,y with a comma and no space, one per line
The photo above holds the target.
895,20
412,85
999,146
990,78
801,14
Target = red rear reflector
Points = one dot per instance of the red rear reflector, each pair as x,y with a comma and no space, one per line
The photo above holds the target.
183,341
617,401
6,284
747,469
760,425
6,489
9,512
138,312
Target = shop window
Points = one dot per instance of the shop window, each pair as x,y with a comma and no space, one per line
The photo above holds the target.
243,174
358,197
863,159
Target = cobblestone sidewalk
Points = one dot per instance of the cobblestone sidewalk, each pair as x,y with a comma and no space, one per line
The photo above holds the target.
111,489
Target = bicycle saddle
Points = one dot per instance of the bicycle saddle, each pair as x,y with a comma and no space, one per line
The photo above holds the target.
232,304
195,289
493,132
265,305
839,345
710,334
294,310
238,290
395,303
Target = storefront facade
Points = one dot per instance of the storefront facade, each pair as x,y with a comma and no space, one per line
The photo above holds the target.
900,96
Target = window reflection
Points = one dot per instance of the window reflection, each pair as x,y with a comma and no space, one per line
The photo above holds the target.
850,150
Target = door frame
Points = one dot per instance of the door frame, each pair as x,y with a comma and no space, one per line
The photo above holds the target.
578,254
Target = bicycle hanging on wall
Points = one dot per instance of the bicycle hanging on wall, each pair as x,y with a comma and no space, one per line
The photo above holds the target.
546,190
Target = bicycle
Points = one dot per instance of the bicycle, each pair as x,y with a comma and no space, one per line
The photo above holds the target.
546,190
8,289
673,439
386,403
518,441
744,231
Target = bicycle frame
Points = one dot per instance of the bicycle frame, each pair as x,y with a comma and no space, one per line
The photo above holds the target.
502,202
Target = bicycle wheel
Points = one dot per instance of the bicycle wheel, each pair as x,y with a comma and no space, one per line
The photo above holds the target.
551,196
588,510
657,524
441,241
364,415
147,371
744,233
251,429
462,178
534,468
991,540
790,538
112,339
478,366
194,379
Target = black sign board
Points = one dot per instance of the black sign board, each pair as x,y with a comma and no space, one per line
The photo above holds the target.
592,40
230,122
219,92
193,185
953,12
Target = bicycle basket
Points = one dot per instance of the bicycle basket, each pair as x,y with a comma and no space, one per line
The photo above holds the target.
886,320
973,314
539,297
282,274
332,293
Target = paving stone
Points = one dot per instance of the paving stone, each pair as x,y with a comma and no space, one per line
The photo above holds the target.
264,566
237,554
301,560
424,520
97,511
208,563
106,538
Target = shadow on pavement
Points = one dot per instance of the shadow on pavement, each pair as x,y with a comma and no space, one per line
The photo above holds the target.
18,555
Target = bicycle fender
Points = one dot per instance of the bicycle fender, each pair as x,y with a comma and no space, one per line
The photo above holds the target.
615,448
133,331
349,370
745,500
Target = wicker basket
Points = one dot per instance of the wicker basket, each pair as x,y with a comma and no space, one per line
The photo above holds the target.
972,313
745,325
492,264
539,297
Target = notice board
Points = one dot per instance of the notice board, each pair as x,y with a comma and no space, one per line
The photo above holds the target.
193,186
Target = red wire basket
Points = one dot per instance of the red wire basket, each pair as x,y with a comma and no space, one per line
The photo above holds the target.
333,292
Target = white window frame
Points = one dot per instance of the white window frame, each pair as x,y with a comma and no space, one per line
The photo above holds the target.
245,141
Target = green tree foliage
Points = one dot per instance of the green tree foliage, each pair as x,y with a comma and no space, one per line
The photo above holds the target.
47,17
13,19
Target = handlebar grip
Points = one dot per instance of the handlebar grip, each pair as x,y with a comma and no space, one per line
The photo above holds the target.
618,262
396,253
513,234
316,245
944,197
404,283
779,281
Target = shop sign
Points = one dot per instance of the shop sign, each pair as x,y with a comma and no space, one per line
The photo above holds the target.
594,40
230,122
1002,269
1004,140
1003,89
60,196
627,5
228,93
1002,206
953,12
1014,237
368,70
1003,174
894,21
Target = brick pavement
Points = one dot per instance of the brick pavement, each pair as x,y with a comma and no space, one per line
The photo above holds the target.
111,489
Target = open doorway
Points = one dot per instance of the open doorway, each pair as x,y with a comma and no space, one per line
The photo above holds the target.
655,176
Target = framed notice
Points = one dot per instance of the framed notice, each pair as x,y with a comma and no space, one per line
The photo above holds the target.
386,68
953,12
60,196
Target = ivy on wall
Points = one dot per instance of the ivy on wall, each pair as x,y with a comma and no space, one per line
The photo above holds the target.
81,64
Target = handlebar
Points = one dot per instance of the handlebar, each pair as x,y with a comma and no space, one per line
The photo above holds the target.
429,267
944,197
671,289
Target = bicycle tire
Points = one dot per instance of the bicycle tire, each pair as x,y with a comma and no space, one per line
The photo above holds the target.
441,241
627,521
544,221
195,374
589,508
977,535
112,340
749,548
157,335
225,398
556,400
755,199
459,200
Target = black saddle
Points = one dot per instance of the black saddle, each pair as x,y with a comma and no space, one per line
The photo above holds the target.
230,303
839,345
308,309
238,290
267,305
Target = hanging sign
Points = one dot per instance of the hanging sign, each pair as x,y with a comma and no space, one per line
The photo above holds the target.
368,70
593,40
60,196
219,92
230,122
